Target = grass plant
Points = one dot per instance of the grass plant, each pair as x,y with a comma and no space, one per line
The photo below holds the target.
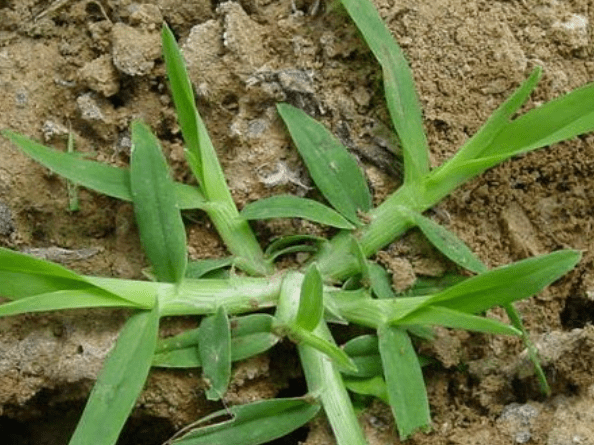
339,283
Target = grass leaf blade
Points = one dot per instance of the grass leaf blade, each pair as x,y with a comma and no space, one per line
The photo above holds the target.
120,382
250,335
370,386
364,351
446,242
560,119
214,346
380,281
200,152
338,356
399,88
331,167
507,284
311,300
252,424
436,315
406,387
105,179
159,221
288,206
64,299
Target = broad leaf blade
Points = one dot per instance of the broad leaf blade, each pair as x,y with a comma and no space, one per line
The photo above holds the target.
332,168
406,387
120,382
311,301
288,206
399,87
159,221
253,424
214,346
111,181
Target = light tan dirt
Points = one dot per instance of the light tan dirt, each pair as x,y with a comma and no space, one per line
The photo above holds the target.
93,66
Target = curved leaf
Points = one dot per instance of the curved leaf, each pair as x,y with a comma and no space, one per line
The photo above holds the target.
288,206
120,382
252,424
102,178
159,220
331,167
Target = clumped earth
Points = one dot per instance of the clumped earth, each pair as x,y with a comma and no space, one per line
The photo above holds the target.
90,67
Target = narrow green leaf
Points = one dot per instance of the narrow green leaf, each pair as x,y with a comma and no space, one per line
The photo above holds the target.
64,299
284,241
120,382
111,181
11,261
381,284
499,120
433,285
441,316
197,269
331,167
24,276
406,388
445,241
214,346
200,153
399,88
252,424
311,300
183,96
507,284
15,286
141,293
293,249
364,351
287,206
370,386
250,335
339,357
555,121
324,379
159,220
563,118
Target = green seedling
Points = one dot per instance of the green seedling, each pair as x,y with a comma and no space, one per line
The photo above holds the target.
338,284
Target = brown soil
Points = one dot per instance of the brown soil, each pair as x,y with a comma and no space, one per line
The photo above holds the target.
93,66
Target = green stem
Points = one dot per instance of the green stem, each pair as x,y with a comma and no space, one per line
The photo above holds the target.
336,262
325,381
239,238
237,295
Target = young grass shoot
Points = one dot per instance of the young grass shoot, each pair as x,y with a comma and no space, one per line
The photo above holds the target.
340,283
